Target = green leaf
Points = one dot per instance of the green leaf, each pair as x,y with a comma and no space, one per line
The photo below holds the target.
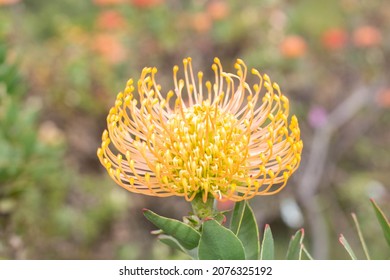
383,221
347,247
267,246
244,225
238,213
360,233
294,251
220,217
307,253
173,243
219,243
184,234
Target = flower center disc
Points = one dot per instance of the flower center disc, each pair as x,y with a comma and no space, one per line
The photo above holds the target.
205,151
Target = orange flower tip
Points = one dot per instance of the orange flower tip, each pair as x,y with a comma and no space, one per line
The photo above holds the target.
113,111
239,61
271,174
99,152
267,226
268,88
119,95
255,71
294,119
266,78
105,135
127,100
129,82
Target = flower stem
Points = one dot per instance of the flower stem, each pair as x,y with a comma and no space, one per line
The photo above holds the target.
202,209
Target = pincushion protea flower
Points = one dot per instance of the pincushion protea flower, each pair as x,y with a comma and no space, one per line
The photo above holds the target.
223,139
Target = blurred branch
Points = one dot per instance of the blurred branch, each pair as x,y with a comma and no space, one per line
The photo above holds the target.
309,182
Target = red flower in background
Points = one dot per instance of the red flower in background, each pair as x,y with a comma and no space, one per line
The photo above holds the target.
108,2
8,2
145,3
110,20
293,46
201,22
367,36
383,98
109,47
218,9
334,38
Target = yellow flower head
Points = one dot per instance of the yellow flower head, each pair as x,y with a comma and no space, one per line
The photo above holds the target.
225,139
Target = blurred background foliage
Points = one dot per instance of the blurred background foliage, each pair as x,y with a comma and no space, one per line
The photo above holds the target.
63,62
